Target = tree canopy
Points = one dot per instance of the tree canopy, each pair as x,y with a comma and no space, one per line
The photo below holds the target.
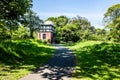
112,18
32,21
74,29
11,14
112,13
14,9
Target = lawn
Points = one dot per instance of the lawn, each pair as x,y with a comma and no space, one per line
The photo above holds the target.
96,61
20,57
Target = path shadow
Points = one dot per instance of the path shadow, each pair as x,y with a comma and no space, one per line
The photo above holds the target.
60,66
23,54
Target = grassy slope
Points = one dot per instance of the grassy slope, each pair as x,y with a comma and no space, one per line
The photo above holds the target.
97,61
18,58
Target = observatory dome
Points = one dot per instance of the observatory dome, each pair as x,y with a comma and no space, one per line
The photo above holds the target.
48,23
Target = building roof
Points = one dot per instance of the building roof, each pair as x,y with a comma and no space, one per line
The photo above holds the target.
48,23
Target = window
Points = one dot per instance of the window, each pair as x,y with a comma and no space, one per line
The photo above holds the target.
44,36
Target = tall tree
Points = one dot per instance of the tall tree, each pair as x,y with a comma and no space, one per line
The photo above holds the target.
83,27
14,9
112,19
72,29
62,21
11,11
32,21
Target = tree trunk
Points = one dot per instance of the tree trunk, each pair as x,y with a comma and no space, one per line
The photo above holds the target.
31,33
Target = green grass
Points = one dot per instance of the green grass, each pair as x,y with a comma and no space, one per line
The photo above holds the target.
20,57
97,61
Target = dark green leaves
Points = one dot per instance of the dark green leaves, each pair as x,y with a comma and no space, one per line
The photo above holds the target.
112,18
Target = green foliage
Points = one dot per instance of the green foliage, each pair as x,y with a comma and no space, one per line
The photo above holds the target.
112,13
14,9
4,34
32,21
19,57
12,12
99,35
112,18
62,21
70,33
74,29
96,60
21,33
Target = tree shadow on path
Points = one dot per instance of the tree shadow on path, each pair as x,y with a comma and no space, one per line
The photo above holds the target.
60,66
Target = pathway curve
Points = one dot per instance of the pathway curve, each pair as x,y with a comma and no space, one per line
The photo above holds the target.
60,67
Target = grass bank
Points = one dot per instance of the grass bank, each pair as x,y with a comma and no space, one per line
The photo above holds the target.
20,57
97,61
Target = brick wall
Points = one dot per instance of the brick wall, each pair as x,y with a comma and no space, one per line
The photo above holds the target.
49,36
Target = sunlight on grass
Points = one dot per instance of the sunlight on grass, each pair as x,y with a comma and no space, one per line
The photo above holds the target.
83,44
97,61
20,57
7,73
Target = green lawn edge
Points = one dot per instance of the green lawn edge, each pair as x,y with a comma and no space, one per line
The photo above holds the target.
96,60
20,57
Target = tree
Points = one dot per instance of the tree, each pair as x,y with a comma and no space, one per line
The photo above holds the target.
112,19
100,34
72,29
12,11
70,33
83,27
32,21
62,21
59,23
3,31
21,33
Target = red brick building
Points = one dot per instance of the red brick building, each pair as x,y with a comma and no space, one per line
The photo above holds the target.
46,32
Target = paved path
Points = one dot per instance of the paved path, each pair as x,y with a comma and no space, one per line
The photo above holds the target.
60,67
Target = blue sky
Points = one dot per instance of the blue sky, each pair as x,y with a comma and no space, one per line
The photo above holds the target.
93,10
